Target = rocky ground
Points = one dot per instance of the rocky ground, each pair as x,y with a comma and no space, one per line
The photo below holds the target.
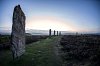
80,50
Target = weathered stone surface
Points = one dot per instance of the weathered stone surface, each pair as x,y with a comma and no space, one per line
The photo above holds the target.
18,32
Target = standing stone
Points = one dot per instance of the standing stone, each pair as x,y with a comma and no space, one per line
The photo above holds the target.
49,32
18,32
60,33
57,33
54,32
76,33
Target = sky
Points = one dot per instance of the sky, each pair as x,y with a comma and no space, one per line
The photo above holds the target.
62,15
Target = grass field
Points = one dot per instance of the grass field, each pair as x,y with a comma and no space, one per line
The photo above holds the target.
40,53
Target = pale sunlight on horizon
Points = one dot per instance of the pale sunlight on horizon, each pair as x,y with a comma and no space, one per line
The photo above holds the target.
48,22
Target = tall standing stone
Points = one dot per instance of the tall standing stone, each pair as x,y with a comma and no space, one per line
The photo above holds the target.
18,32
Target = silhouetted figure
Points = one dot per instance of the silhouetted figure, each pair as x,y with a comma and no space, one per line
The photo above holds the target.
18,32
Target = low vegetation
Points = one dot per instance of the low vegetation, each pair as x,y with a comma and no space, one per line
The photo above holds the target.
75,50
81,50
40,53
5,40
34,38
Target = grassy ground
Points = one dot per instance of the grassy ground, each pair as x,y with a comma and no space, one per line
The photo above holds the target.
41,53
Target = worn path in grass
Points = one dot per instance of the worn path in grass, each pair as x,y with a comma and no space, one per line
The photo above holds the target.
41,53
